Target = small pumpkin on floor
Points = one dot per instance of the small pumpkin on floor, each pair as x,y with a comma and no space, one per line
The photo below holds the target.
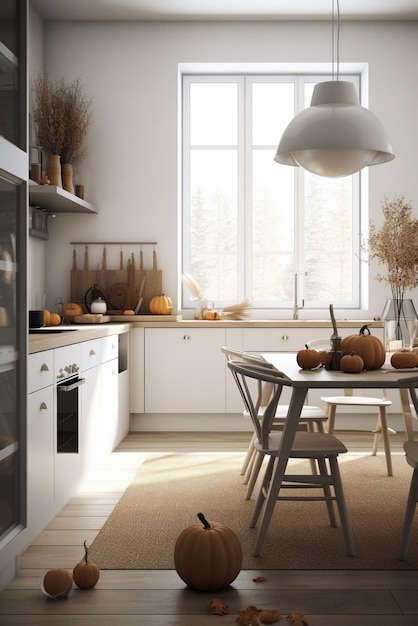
208,557
57,583
86,573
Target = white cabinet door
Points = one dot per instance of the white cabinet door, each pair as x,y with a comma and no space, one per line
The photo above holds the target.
184,370
137,370
109,406
91,412
40,458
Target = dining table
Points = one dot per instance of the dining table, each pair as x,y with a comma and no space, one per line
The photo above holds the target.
301,381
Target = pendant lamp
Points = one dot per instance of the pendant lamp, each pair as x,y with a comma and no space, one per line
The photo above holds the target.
335,136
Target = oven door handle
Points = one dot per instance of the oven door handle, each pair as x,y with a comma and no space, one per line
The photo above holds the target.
72,386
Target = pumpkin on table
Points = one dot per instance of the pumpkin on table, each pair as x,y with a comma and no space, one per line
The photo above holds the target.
208,557
404,359
351,363
370,348
308,358
86,573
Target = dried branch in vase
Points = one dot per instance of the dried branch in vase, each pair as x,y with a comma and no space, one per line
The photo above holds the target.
62,115
395,245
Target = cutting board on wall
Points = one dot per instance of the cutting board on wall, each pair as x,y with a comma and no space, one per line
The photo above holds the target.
106,280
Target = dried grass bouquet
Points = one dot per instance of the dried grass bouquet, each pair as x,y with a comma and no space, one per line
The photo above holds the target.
395,245
61,114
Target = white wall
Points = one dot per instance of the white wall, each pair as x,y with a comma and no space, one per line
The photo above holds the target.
131,71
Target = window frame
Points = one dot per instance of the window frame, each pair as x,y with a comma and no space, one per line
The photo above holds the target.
244,79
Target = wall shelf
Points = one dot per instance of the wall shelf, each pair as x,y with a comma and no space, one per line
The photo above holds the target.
57,200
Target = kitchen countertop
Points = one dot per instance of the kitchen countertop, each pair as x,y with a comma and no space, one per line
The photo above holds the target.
85,332
259,324
45,341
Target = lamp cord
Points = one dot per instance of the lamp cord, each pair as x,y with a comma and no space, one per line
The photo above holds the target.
335,41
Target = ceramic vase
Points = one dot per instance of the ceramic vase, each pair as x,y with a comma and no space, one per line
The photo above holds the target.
53,170
67,177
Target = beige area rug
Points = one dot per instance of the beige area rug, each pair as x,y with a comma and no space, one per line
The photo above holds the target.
169,490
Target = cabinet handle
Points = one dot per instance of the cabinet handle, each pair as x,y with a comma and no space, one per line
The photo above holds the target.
186,337
285,337
43,405
92,352
44,367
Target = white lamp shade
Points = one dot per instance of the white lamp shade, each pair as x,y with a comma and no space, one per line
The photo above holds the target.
335,136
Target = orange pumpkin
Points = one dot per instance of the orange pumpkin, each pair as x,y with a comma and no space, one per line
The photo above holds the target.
71,309
86,573
58,583
54,319
351,363
47,315
129,312
208,557
404,359
370,348
308,359
161,305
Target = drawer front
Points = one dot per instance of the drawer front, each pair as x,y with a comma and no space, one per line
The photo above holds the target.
67,357
40,370
110,348
281,339
90,354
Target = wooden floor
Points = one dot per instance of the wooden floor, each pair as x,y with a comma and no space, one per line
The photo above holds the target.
327,598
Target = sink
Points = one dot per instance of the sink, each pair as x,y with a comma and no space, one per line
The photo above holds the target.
46,330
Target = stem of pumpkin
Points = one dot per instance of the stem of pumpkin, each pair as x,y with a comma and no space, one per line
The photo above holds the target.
204,520
86,552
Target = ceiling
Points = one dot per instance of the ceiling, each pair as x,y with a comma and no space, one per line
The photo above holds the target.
120,10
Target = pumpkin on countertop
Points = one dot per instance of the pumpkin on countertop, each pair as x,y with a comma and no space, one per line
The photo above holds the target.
370,348
208,557
86,573
54,319
161,305
71,309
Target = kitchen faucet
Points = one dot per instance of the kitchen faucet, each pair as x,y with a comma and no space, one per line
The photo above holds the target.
297,306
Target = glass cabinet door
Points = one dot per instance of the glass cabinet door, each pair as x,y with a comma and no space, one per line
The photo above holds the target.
13,236
11,435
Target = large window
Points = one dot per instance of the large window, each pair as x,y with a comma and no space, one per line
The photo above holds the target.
254,229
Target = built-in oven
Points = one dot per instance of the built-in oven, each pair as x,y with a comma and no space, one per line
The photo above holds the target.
68,383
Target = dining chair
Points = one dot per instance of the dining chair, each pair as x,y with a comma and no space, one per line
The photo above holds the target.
350,400
411,451
322,447
312,418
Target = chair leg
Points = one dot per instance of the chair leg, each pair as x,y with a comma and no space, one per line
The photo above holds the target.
258,461
250,466
409,516
342,506
385,437
327,493
248,456
331,418
376,437
263,491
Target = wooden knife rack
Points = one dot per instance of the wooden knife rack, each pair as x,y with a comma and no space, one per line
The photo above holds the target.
128,284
